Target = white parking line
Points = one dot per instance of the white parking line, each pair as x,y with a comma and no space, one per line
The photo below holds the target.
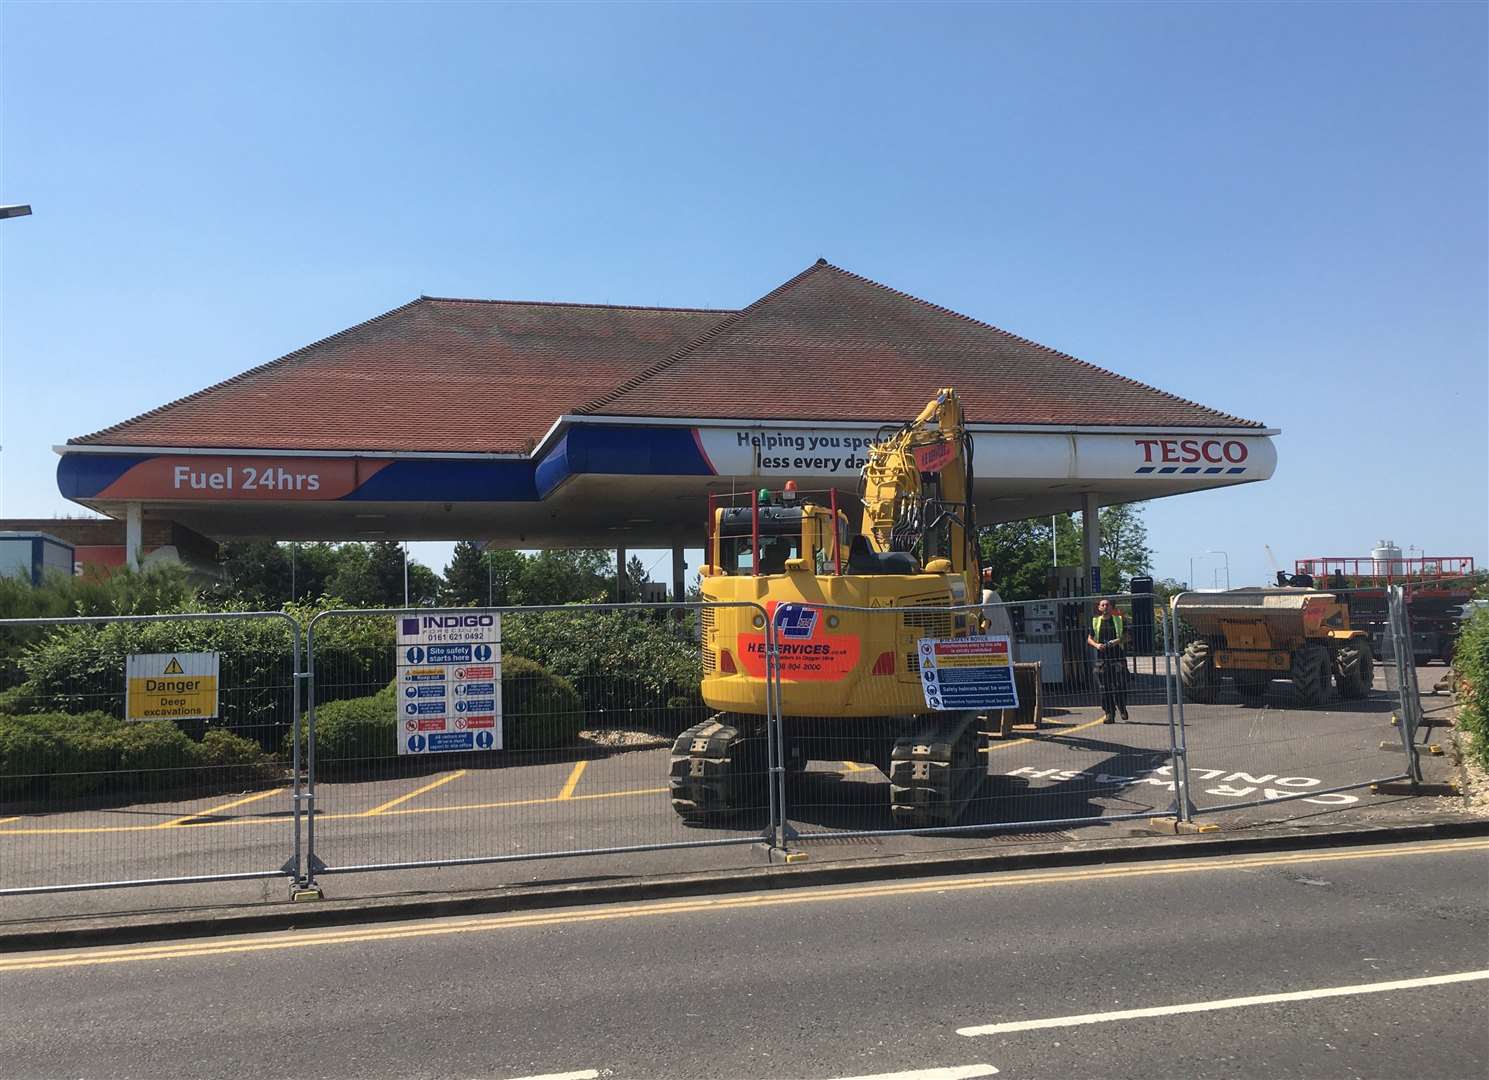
583,1074
948,1072
1223,1003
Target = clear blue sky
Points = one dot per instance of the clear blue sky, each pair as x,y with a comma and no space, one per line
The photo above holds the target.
1276,210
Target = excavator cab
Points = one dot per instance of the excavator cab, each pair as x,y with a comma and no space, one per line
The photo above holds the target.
773,536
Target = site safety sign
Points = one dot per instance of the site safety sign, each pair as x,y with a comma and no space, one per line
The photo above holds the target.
171,686
449,682
967,673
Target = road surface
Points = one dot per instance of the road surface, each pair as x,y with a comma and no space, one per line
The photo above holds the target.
1363,962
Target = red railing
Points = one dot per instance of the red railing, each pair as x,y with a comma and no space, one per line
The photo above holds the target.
1364,571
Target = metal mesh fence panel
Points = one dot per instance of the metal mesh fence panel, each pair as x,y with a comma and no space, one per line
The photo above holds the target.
887,726
441,738
147,749
1283,699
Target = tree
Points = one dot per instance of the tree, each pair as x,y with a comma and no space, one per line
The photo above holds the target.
636,576
1018,553
266,574
353,582
256,572
1124,545
386,560
313,565
467,575
1165,589
371,575
564,577
505,582
1021,556
424,586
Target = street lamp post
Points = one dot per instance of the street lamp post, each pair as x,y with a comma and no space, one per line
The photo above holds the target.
16,210
1217,551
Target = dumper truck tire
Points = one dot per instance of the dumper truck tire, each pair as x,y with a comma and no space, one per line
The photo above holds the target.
1354,669
1197,672
1310,673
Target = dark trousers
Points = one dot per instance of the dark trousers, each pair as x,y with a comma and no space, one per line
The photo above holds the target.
1114,701
1111,676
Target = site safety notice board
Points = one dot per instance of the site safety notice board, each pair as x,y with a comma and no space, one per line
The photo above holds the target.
449,682
967,673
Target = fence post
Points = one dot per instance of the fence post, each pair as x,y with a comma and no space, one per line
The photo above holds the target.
1409,701
773,736
308,888
296,866
1179,750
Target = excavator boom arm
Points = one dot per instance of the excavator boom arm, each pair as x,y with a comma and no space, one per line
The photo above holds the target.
935,441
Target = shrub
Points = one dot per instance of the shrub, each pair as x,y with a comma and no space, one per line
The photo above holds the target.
60,756
356,729
1471,660
625,665
353,653
80,669
539,711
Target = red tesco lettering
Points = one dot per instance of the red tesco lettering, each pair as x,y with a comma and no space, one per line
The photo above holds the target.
1189,451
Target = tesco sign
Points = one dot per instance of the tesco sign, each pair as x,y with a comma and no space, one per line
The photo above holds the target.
1192,451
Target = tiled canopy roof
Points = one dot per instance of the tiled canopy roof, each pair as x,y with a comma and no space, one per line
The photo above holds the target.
433,375
492,376
831,345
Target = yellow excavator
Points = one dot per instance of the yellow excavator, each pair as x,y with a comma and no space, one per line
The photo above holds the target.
850,680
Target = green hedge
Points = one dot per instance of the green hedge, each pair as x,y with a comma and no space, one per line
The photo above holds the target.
1471,661
626,666
628,669
540,711
56,756
80,669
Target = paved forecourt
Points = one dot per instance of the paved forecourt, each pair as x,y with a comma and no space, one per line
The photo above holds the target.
1073,767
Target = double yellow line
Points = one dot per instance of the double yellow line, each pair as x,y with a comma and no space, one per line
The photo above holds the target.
672,908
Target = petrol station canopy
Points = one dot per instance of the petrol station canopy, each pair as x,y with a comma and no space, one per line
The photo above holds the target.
535,424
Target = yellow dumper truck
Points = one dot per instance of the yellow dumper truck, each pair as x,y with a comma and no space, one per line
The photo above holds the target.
1257,635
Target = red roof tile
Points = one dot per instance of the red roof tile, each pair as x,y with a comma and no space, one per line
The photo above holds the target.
491,376
433,375
831,345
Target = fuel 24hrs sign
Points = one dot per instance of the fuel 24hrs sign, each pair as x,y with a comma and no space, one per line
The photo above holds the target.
449,682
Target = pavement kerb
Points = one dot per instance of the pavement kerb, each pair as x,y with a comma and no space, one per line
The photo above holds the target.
134,928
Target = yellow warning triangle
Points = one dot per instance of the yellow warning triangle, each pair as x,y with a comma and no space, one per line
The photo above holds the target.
174,667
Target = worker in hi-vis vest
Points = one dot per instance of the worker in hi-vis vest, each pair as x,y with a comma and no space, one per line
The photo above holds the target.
1108,633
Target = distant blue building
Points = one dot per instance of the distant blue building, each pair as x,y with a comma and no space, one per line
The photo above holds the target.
34,555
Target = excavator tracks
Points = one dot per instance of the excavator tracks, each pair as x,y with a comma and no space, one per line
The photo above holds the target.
935,771
718,770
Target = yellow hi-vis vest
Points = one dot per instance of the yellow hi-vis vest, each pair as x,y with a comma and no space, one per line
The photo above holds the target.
1116,623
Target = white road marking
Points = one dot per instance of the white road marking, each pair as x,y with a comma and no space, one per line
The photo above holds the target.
949,1072
583,1074
1223,1003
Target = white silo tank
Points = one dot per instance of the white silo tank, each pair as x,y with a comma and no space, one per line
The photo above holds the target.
1387,558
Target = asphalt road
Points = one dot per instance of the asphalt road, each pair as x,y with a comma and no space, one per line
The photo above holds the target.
848,981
